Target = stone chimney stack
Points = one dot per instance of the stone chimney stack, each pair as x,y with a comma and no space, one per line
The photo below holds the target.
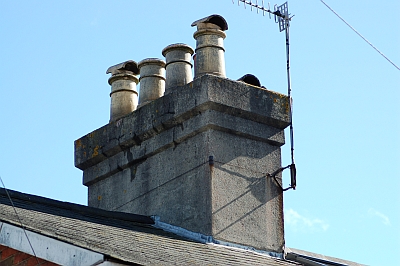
199,156
210,52
124,96
152,80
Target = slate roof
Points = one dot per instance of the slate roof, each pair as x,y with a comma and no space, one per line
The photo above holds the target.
310,257
125,237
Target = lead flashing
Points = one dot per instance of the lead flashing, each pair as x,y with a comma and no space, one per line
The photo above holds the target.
205,239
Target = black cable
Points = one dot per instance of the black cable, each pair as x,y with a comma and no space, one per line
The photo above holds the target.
22,226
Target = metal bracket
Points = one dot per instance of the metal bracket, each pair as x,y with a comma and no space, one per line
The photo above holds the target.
292,176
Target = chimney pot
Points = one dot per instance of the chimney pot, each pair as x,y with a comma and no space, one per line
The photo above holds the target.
124,96
250,79
210,58
178,65
152,80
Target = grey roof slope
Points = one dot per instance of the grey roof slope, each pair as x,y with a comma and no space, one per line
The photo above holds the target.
295,254
126,237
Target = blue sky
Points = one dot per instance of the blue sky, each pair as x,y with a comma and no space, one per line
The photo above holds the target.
54,90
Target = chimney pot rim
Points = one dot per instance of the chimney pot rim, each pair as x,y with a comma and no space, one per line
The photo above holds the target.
177,46
123,76
217,32
151,61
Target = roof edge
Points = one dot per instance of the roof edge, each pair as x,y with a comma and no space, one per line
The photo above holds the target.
85,210
55,250
310,257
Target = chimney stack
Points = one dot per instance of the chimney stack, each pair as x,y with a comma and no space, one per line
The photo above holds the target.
201,156
178,66
210,35
124,96
152,80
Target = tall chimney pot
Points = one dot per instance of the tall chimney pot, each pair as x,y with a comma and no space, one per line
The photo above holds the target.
210,52
124,96
152,80
178,65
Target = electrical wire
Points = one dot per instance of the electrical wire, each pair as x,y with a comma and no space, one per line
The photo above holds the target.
22,226
376,49
158,186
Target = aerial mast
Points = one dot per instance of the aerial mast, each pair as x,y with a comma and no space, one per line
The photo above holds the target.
283,18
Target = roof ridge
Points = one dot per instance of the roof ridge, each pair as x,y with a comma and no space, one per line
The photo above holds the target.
82,209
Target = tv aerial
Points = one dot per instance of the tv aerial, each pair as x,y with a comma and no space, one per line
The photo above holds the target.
283,18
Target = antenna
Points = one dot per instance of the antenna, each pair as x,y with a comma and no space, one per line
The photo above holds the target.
283,18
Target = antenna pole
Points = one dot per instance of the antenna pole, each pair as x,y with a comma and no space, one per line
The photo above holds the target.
289,89
282,17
